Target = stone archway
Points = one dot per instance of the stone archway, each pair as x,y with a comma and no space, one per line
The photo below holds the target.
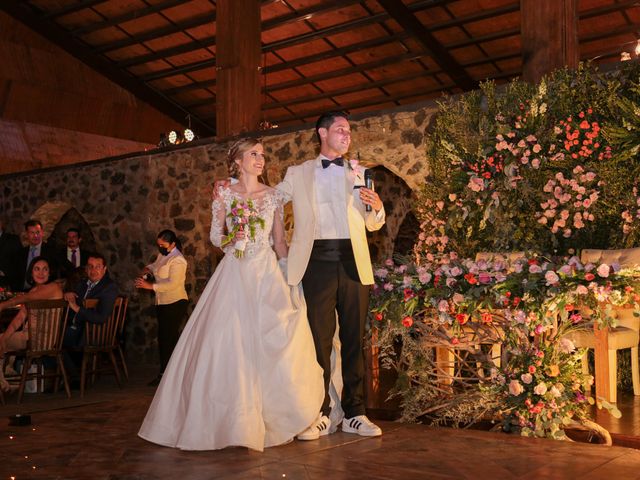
49,214
72,218
398,201
57,217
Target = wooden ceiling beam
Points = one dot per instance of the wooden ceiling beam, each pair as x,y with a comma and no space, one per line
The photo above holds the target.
127,17
72,8
346,90
407,57
345,51
168,52
353,105
408,21
606,9
172,71
24,13
168,72
610,33
157,32
211,40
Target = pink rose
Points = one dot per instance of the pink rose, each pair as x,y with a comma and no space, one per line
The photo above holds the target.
540,389
457,298
551,277
581,290
484,277
535,269
443,306
603,270
515,388
526,378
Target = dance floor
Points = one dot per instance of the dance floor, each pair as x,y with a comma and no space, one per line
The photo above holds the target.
95,438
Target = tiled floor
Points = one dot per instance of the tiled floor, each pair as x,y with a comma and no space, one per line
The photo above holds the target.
96,439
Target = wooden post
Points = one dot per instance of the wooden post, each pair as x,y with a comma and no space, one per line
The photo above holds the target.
602,373
549,36
238,95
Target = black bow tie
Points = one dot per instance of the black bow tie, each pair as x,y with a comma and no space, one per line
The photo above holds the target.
339,161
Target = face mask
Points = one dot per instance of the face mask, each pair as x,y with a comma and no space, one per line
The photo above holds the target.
163,251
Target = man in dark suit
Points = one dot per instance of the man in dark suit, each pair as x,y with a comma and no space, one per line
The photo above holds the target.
99,286
10,247
35,247
72,259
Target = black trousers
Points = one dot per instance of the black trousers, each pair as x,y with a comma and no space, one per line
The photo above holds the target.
331,284
170,318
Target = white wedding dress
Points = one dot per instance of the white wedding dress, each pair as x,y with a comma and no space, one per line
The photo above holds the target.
244,372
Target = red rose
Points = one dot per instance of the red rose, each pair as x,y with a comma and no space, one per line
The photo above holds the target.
455,341
378,316
462,318
408,294
471,278
486,317
532,261
569,307
407,321
516,301
589,276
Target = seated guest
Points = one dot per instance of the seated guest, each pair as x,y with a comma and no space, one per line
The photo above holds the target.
10,247
15,336
99,286
72,259
35,248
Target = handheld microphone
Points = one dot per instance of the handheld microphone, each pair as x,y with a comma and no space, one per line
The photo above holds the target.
368,182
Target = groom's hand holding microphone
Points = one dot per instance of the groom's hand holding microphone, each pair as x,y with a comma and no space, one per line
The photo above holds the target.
368,196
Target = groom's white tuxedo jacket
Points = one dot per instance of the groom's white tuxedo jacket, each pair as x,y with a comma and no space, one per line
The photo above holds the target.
299,186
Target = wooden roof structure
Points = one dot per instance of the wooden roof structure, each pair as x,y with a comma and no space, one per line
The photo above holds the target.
358,55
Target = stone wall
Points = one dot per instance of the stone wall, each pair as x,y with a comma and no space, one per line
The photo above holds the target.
125,202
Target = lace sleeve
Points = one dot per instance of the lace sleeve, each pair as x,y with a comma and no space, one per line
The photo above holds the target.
277,231
217,220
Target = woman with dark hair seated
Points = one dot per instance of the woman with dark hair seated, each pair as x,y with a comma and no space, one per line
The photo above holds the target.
15,336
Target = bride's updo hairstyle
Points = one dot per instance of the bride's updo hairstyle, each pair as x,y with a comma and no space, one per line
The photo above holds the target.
236,151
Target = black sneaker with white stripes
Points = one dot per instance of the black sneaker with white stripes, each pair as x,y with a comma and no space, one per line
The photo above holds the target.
318,428
361,425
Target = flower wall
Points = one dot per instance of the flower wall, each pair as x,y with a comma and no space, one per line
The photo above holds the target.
546,170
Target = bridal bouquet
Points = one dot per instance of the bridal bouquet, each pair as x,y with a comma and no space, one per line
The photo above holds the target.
244,216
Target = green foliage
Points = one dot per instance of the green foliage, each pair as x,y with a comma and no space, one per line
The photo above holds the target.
503,209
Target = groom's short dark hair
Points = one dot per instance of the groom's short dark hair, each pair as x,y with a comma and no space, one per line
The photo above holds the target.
327,119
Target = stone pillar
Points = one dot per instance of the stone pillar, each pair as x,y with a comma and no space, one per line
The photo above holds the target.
238,96
549,36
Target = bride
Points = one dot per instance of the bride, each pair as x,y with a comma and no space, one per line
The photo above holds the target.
244,372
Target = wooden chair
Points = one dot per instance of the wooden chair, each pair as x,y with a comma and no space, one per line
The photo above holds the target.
477,341
46,323
607,342
122,314
100,338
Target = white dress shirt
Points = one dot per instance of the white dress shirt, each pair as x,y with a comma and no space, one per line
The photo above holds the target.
70,254
332,222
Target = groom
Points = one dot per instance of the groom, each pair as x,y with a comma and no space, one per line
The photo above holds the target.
330,255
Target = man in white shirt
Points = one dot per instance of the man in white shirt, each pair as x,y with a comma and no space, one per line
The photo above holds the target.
330,255
72,257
